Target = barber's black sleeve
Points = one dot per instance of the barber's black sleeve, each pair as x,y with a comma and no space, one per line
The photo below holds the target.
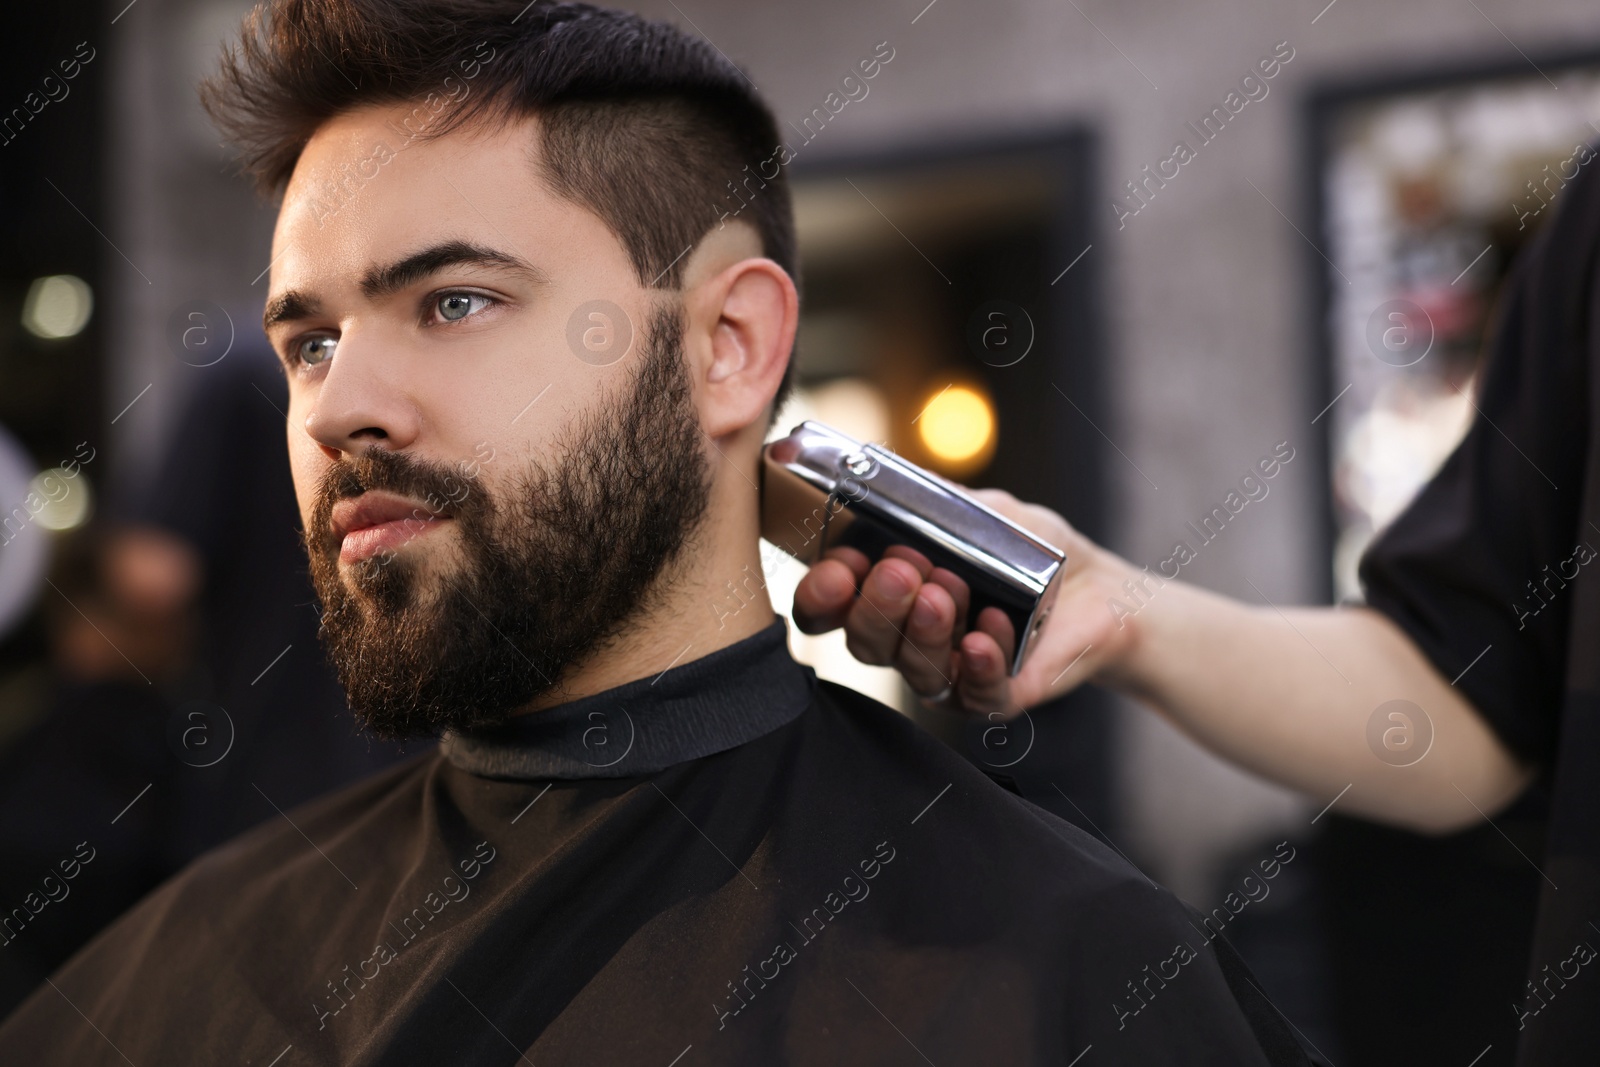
1463,569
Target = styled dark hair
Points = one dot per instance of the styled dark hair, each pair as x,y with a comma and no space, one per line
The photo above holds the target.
649,127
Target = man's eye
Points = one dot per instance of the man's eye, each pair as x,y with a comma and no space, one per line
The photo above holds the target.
314,350
453,307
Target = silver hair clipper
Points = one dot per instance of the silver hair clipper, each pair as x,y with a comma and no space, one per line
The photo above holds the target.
822,489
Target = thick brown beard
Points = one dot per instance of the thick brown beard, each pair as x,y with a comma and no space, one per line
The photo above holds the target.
554,572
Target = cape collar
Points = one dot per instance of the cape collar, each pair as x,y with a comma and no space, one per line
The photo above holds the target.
704,706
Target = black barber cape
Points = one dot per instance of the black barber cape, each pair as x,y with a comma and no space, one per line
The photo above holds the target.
731,863
1493,572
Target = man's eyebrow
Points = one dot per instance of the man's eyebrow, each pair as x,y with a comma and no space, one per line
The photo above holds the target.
382,281
294,305
289,306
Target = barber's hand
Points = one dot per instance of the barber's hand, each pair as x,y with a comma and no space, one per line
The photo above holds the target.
905,613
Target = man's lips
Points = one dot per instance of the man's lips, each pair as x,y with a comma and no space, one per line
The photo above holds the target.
376,522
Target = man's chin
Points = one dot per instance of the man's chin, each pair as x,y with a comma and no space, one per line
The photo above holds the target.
410,578
450,701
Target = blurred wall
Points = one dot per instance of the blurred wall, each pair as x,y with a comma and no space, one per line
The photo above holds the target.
1209,362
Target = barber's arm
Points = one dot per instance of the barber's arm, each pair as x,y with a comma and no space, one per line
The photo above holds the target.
1286,694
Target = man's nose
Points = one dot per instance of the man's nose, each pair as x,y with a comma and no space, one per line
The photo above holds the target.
362,401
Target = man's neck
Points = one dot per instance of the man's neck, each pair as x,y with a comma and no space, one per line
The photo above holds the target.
645,652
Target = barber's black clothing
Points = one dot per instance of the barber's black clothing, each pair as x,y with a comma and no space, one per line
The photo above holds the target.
1493,572
730,863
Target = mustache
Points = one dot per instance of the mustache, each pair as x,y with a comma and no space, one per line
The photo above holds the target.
439,487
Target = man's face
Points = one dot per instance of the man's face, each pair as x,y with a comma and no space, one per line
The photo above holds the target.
494,469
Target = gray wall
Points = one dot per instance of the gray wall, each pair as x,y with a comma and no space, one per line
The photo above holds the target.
1210,355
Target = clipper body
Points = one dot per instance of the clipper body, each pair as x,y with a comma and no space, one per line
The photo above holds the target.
821,489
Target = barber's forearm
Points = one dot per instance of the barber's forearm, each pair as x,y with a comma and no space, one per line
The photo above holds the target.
1289,695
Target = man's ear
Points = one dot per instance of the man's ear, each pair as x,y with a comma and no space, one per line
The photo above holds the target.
744,321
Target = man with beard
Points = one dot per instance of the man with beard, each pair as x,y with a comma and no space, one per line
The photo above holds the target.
531,367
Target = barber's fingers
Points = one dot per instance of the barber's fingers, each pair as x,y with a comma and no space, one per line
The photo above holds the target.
960,593
908,612
910,555
876,624
926,658
997,624
984,668
827,592
983,686
825,595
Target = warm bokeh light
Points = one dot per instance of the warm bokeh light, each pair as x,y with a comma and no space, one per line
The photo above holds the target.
854,405
957,425
57,306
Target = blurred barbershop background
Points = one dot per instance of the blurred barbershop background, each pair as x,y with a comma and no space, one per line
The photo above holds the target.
1106,256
